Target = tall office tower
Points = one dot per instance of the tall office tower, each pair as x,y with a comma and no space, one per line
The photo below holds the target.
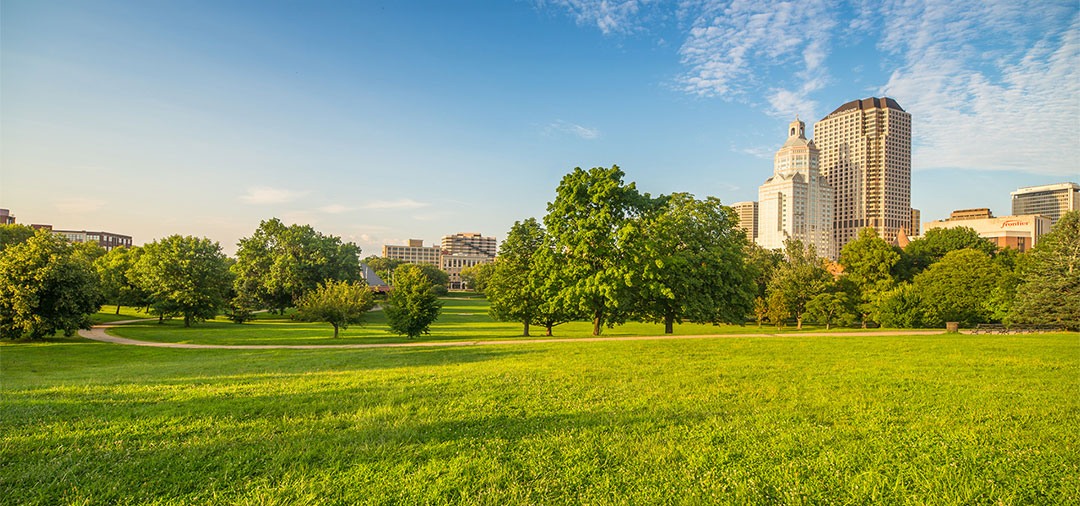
796,202
914,228
469,243
1051,200
747,212
866,157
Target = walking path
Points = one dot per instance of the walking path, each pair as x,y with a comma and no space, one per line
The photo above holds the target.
99,333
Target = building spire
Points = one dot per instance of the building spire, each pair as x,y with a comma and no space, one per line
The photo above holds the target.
797,128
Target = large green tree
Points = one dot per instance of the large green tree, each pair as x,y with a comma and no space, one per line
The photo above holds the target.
935,244
412,306
687,259
476,277
513,288
584,220
13,234
279,263
46,286
339,303
116,271
800,278
868,263
1049,290
185,276
958,288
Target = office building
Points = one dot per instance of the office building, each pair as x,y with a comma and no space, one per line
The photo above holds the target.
414,253
980,213
866,158
106,240
6,218
1018,232
748,218
469,243
1052,200
913,225
452,265
796,202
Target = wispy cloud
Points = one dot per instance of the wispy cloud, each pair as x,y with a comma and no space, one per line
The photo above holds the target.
268,195
573,129
79,205
609,16
395,204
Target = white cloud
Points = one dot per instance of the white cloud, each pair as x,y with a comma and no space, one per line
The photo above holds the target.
268,195
1012,106
79,205
609,16
574,129
395,204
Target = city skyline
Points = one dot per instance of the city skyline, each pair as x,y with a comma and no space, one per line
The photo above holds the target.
379,123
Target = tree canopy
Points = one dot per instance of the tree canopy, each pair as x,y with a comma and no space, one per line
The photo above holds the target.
13,234
1050,278
515,287
869,264
800,278
46,285
118,283
936,243
185,276
958,288
412,306
339,303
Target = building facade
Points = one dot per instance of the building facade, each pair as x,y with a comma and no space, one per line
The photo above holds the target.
866,158
1052,200
469,243
414,253
748,218
913,229
106,240
6,218
1017,232
796,202
980,213
454,264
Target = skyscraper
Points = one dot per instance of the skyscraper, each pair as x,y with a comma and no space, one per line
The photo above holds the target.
748,218
866,158
1051,200
796,202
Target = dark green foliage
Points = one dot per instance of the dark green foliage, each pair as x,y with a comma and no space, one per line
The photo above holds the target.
936,243
688,263
800,278
437,277
868,263
515,287
185,276
1049,278
118,283
584,221
831,308
11,235
959,288
47,285
339,303
241,309
412,306
476,277
762,264
901,307
279,263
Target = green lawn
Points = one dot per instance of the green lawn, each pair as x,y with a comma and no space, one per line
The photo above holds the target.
840,420
461,319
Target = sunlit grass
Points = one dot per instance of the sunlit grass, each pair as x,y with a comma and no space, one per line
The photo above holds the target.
793,419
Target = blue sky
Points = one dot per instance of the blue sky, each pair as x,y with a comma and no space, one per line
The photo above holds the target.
380,122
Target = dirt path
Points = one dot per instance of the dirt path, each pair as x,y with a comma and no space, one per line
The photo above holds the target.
99,333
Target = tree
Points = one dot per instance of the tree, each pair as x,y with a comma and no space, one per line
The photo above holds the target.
901,307
515,286
437,277
411,306
761,310
829,308
777,310
184,275
1050,278
762,263
115,270
936,243
800,278
868,266
11,235
688,264
584,221
958,288
476,277
279,263
46,286
339,303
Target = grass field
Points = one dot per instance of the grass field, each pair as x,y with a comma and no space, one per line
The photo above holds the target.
460,319
783,420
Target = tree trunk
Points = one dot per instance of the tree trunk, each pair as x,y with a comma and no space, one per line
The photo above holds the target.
798,322
187,320
161,318
827,325
549,329
117,308
335,330
525,333
669,323
596,324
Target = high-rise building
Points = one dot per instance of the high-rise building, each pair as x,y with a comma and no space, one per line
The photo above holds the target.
414,253
796,202
1052,200
469,243
866,158
748,218
913,226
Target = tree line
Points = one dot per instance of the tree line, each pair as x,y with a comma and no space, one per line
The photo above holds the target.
607,253
49,285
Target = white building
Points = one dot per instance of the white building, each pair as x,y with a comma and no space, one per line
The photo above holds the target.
796,202
1051,200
